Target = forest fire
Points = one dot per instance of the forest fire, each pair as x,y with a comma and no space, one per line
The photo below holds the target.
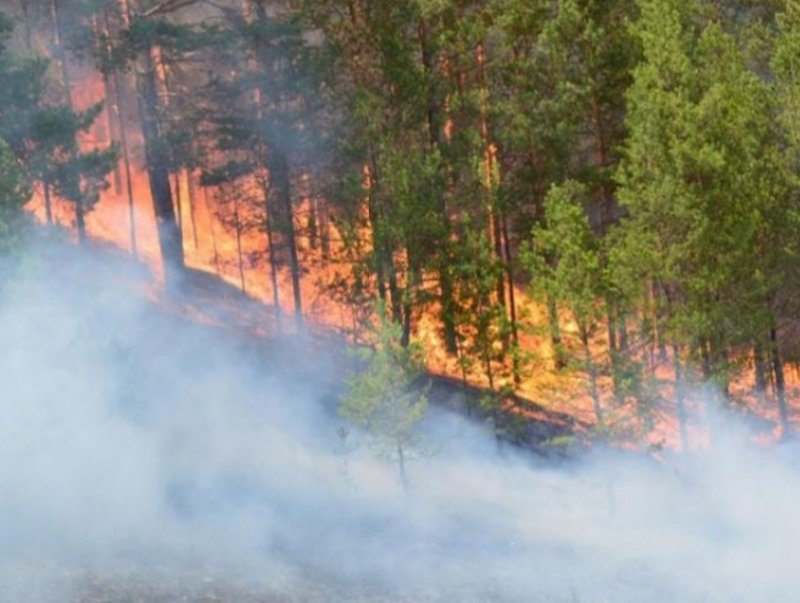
350,300
222,237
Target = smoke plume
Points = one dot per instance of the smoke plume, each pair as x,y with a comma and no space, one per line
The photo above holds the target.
139,446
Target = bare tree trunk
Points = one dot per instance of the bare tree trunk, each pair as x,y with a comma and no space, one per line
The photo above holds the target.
108,95
512,306
191,200
169,234
279,173
490,172
119,112
169,237
178,202
48,204
759,370
80,222
680,398
66,82
780,381
238,229
60,53
211,228
273,260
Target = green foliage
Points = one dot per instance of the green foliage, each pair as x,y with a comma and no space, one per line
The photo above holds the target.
14,193
58,161
564,260
704,183
385,399
564,257
44,138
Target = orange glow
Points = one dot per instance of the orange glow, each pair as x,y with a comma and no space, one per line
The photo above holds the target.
211,246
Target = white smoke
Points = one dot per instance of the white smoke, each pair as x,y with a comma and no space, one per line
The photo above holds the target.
136,445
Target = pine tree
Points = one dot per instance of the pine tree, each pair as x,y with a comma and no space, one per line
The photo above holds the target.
385,398
706,190
564,261
44,138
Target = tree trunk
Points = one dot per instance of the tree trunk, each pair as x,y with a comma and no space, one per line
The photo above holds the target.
759,370
109,95
273,260
210,214
278,166
592,372
157,163
169,235
59,51
780,381
490,171
126,163
512,305
178,202
191,200
80,222
119,112
48,204
279,175
555,333
680,401
408,309
434,140
239,260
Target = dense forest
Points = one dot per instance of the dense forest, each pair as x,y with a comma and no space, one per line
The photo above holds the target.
599,195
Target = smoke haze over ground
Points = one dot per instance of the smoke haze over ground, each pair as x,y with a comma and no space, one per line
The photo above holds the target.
135,445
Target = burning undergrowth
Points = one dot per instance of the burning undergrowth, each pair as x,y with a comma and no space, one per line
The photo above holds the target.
136,445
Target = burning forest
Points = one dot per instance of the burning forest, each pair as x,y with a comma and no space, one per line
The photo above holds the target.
354,300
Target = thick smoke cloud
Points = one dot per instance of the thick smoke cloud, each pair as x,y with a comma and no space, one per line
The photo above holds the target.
134,442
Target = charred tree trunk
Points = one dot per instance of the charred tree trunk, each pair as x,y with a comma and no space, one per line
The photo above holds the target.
169,235
279,175
277,162
157,161
80,222
48,204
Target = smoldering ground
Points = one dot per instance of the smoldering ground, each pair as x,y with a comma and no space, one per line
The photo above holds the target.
136,447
